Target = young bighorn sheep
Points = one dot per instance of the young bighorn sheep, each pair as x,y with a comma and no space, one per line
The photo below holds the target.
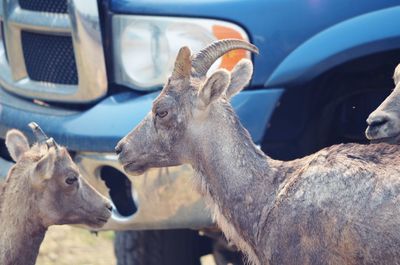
43,188
384,122
340,205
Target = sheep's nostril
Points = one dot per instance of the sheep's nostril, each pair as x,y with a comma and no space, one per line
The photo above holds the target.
377,122
118,149
109,207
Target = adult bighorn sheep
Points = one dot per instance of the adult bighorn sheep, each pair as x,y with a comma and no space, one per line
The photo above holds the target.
384,122
43,188
340,205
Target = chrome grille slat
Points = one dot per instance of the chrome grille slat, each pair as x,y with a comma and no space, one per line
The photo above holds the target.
40,21
81,24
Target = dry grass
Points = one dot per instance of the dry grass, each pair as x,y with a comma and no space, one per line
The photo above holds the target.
66,245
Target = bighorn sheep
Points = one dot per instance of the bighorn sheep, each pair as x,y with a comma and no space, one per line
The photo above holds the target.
340,205
384,122
43,188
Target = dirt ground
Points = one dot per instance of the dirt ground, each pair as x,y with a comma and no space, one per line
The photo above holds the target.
66,245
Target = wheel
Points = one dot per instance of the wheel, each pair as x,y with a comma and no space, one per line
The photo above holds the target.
157,247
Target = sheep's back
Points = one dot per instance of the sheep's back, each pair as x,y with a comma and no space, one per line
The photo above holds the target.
340,206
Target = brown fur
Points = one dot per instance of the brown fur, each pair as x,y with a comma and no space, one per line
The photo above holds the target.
384,122
35,196
337,206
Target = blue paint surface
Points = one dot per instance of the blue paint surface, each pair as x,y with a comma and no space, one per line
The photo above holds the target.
280,27
298,39
353,38
101,127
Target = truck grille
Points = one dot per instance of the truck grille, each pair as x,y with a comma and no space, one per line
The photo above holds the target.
49,58
53,6
52,50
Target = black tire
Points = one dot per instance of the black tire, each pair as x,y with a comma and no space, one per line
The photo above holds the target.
157,247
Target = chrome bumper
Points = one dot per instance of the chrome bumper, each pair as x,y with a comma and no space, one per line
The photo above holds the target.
165,198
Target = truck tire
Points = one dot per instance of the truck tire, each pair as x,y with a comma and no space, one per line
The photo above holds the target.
156,247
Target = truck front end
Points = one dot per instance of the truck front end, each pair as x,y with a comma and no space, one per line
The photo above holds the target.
88,75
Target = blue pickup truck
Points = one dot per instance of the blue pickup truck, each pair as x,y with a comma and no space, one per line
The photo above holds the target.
87,72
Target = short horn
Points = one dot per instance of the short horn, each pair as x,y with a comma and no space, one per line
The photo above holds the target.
203,60
51,143
183,64
38,132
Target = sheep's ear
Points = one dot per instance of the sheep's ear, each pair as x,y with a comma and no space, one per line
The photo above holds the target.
214,87
16,143
240,77
396,75
44,168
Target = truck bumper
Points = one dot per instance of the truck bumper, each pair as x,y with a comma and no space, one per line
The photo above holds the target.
161,198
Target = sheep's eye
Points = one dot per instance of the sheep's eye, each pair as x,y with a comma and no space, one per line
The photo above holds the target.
71,180
162,114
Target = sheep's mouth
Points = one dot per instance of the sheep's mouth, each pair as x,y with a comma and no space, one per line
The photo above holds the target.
378,134
128,164
97,222
134,168
391,139
102,219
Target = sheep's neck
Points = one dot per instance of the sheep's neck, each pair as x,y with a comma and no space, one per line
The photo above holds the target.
21,232
240,179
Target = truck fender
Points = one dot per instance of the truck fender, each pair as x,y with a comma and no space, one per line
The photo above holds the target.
363,35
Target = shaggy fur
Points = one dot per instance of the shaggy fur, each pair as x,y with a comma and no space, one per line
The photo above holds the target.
35,195
337,206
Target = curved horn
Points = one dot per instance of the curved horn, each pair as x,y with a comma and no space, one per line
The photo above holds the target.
38,132
203,60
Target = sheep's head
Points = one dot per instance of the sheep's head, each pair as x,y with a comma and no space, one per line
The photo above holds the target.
384,122
61,195
163,138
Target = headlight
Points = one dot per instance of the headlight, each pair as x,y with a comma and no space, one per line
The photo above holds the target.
145,47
